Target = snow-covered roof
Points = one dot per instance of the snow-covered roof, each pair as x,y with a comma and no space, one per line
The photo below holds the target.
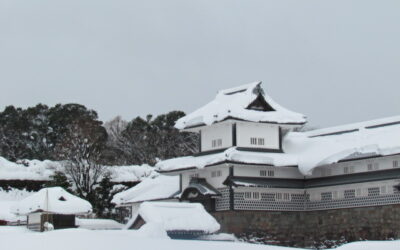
309,150
27,169
178,216
153,188
133,173
326,146
54,200
235,103
229,155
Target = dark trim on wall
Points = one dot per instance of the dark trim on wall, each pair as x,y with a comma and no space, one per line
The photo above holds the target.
336,133
231,193
200,149
180,183
280,139
210,152
373,176
380,175
258,150
383,125
234,135
243,120
222,162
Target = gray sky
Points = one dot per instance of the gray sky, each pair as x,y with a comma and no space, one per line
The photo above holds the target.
334,61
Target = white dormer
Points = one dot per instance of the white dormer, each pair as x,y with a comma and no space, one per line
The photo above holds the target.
245,117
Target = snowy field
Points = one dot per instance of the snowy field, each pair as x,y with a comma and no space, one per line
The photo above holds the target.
19,238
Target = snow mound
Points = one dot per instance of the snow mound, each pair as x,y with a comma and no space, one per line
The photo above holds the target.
54,200
98,224
178,216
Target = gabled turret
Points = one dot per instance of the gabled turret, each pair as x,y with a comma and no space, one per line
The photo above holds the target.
244,117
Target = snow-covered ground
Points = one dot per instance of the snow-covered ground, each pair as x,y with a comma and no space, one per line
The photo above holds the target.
8,199
19,238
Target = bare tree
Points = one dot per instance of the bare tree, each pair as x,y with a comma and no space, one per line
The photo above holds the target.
81,150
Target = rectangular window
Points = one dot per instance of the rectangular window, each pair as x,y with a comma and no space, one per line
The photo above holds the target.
286,197
326,196
335,195
257,141
216,143
349,194
346,170
256,195
383,190
252,196
370,167
195,175
271,173
216,173
278,196
395,164
373,191
263,172
351,170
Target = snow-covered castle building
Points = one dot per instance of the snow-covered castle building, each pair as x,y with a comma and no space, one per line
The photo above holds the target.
252,158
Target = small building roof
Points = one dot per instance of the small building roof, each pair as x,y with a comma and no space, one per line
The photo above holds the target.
153,188
248,102
52,200
33,170
178,216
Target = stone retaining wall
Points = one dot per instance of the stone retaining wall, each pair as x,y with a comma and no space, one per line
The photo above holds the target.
310,228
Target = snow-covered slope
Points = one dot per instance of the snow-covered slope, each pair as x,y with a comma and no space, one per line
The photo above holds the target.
234,103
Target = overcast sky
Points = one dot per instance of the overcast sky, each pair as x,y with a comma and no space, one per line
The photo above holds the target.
335,61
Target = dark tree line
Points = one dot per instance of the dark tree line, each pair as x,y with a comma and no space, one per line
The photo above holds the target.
73,132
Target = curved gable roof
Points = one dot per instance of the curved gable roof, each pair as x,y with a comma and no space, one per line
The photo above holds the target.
248,102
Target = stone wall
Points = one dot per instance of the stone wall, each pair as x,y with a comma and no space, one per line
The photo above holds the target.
310,228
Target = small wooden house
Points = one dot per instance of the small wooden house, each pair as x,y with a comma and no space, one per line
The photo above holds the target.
179,220
52,208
